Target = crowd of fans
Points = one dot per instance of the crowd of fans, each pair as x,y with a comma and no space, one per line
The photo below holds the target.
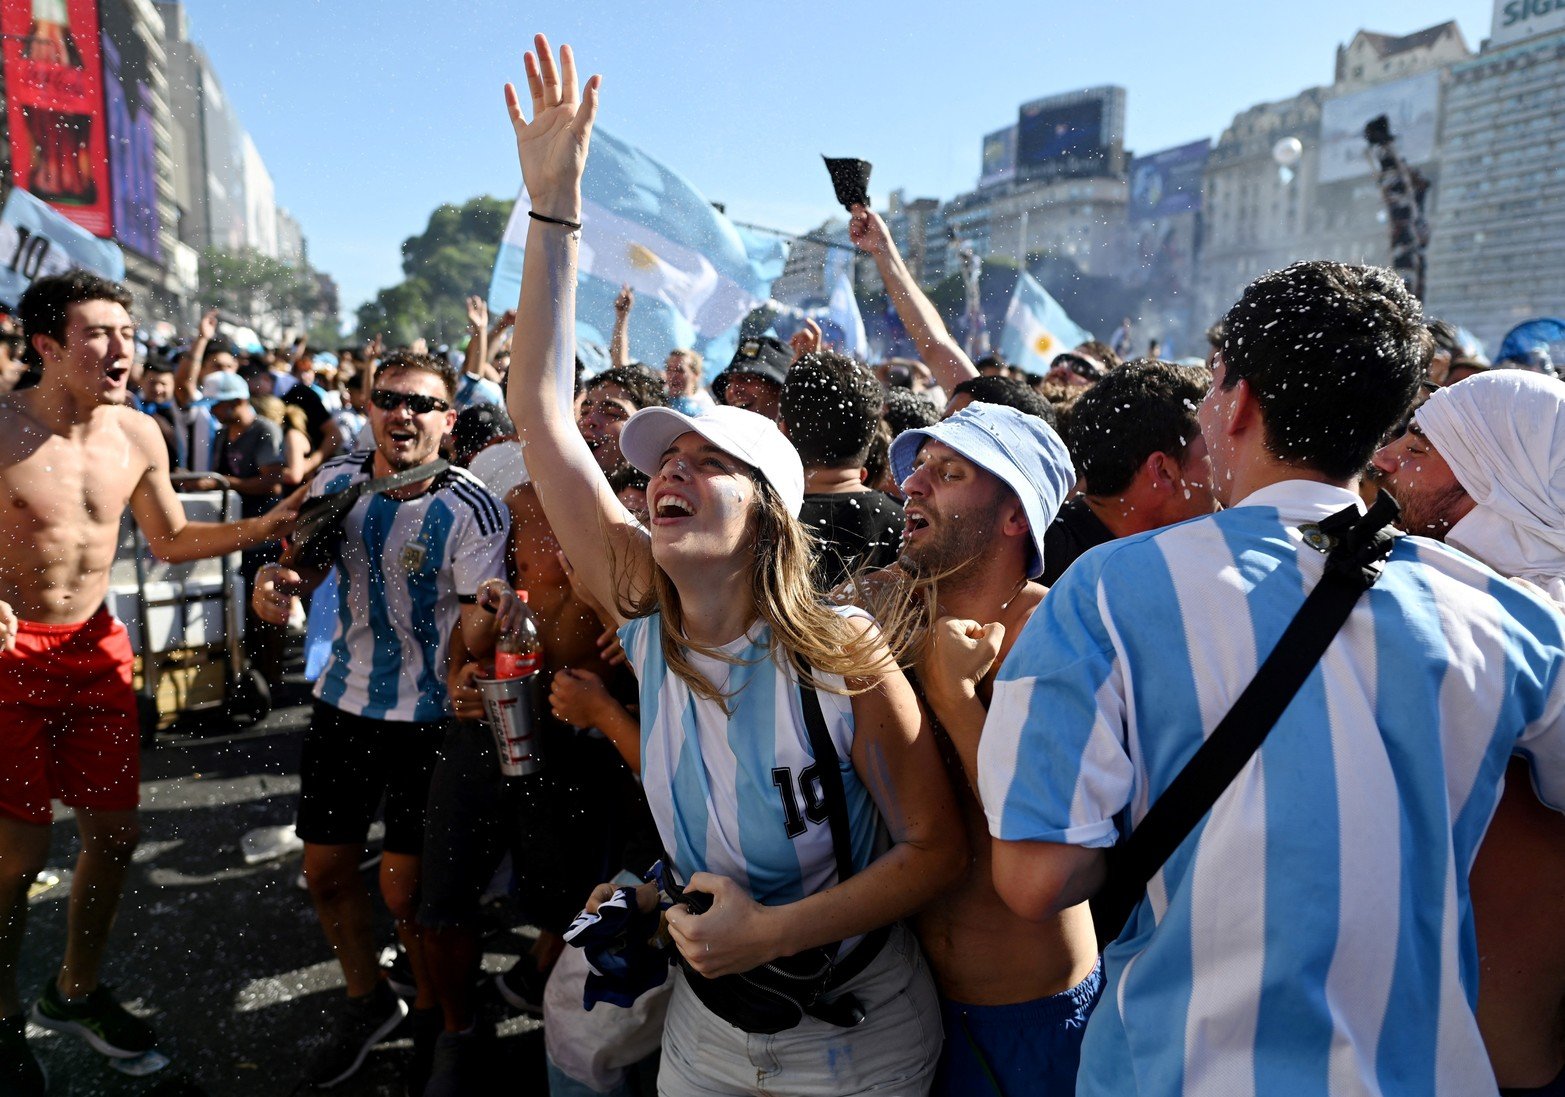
851,675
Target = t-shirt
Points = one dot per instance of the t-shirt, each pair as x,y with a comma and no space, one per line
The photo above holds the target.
501,467
259,446
738,795
1075,530
859,529
697,403
349,425
402,567
1314,933
316,413
197,435
472,390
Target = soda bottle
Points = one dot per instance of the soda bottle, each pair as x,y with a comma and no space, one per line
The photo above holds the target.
519,650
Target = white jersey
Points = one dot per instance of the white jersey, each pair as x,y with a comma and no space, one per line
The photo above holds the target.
403,567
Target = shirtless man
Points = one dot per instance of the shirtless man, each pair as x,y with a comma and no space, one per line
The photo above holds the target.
982,487
571,820
73,457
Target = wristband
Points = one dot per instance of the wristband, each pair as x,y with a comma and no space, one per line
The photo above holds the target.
574,226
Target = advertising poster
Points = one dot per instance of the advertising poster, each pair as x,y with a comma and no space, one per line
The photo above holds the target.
1061,138
54,94
1411,105
127,92
999,157
1167,182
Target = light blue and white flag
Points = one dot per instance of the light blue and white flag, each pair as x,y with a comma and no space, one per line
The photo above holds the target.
843,310
1037,328
646,227
36,242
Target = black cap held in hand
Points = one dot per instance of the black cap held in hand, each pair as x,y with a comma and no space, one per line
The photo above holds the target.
850,179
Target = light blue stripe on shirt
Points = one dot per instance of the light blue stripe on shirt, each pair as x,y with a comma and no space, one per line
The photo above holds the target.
1314,934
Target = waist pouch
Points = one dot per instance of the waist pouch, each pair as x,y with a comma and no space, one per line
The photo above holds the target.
777,996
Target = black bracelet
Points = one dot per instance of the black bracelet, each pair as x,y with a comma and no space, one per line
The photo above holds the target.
574,226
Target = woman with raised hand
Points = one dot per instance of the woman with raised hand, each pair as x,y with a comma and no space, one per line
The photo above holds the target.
789,861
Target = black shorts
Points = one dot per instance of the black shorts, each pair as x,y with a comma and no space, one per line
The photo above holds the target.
350,763
571,826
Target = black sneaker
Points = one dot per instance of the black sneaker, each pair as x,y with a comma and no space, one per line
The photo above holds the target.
398,969
458,1067
98,1018
19,1070
427,1024
353,1026
522,986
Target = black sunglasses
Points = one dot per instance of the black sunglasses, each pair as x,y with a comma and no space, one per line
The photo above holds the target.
417,402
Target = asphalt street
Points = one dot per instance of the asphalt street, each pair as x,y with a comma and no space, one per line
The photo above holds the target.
222,957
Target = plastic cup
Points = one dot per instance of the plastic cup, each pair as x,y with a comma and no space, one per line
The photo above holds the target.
511,709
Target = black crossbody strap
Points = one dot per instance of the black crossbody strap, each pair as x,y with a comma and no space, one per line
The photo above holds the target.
828,763
1358,544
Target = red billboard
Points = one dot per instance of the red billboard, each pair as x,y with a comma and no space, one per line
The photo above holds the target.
54,95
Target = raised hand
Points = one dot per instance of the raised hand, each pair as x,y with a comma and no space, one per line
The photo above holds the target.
869,232
624,300
477,313
552,148
807,340
208,327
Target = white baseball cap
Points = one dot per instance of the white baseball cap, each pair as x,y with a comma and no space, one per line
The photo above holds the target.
225,385
752,438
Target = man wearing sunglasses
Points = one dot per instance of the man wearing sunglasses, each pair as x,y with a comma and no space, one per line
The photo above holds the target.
415,565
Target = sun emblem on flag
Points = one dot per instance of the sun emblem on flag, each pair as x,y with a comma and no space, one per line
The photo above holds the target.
1044,344
642,257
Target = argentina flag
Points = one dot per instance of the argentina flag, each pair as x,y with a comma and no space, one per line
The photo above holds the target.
1037,328
695,274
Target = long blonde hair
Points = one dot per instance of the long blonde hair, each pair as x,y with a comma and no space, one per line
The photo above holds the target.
803,624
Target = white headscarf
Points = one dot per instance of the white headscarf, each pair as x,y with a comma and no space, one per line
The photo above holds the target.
1503,434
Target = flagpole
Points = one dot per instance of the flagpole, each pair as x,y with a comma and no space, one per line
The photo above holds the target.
808,238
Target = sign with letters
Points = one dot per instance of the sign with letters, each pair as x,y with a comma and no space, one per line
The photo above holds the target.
35,242
1515,20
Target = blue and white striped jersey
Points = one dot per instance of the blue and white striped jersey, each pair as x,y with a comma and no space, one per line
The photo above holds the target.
739,795
402,567
472,390
1313,935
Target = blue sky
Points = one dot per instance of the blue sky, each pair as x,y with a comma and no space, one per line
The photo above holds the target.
369,115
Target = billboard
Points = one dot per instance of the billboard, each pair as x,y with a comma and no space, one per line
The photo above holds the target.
1076,134
127,93
1411,104
54,101
999,161
1515,20
1167,182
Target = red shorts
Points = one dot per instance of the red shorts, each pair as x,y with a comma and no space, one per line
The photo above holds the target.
68,722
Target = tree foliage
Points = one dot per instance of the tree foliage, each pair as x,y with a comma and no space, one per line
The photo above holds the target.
445,264
267,293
